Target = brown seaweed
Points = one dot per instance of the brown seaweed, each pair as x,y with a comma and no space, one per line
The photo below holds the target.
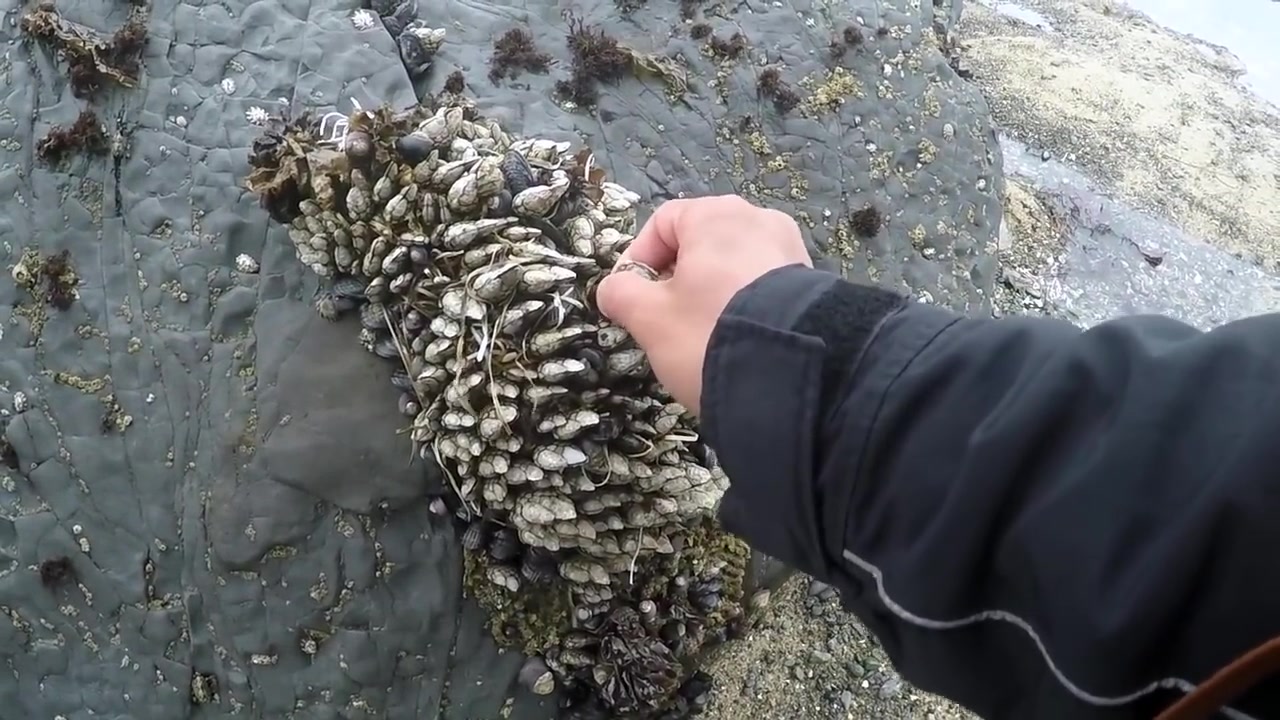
514,52
771,85
92,59
84,134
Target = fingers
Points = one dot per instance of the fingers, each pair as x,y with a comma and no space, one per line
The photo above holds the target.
634,302
657,243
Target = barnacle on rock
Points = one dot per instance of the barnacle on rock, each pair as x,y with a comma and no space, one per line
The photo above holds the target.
580,490
85,134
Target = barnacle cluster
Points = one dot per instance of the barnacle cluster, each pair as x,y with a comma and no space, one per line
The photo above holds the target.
580,489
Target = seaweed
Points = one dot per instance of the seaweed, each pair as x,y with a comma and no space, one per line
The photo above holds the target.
85,134
61,280
455,83
866,222
688,8
92,60
600,58
8,454
771,85
56,571
730,49
848,39
54,272
514,52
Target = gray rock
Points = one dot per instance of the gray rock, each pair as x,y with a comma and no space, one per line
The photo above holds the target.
255,528
327,429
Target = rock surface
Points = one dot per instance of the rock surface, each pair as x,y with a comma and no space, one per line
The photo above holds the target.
222,470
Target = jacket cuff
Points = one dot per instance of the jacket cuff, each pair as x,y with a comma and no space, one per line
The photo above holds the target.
772,359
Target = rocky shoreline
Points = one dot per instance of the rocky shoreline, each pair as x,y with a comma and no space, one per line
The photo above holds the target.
811,659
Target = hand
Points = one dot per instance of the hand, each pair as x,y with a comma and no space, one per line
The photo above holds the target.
705,251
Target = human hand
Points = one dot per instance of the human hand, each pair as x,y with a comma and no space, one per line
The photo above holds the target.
705,250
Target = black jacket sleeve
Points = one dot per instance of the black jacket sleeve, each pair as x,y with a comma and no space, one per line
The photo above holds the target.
1036,521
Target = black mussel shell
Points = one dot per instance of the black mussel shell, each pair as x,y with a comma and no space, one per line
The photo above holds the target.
709,585
538,565
404,13
503,206
408,404
610,426
672,632
697,689
568,207
359,148
385,348
383,7
704,454
504,545
414,54
414,321
264,149
705,601
630,444
516,172
400,380
414,148
348,287
737,627
283,205
592,357
474,537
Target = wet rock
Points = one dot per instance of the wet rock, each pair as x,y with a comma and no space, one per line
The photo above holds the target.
326,429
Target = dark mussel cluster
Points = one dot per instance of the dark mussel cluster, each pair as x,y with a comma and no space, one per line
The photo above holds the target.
418,43
579,488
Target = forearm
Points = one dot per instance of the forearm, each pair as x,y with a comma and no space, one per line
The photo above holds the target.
976,487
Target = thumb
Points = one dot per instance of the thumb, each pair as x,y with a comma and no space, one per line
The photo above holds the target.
633,302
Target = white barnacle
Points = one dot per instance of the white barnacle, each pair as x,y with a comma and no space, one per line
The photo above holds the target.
246,264
228,86
363,19
256,116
